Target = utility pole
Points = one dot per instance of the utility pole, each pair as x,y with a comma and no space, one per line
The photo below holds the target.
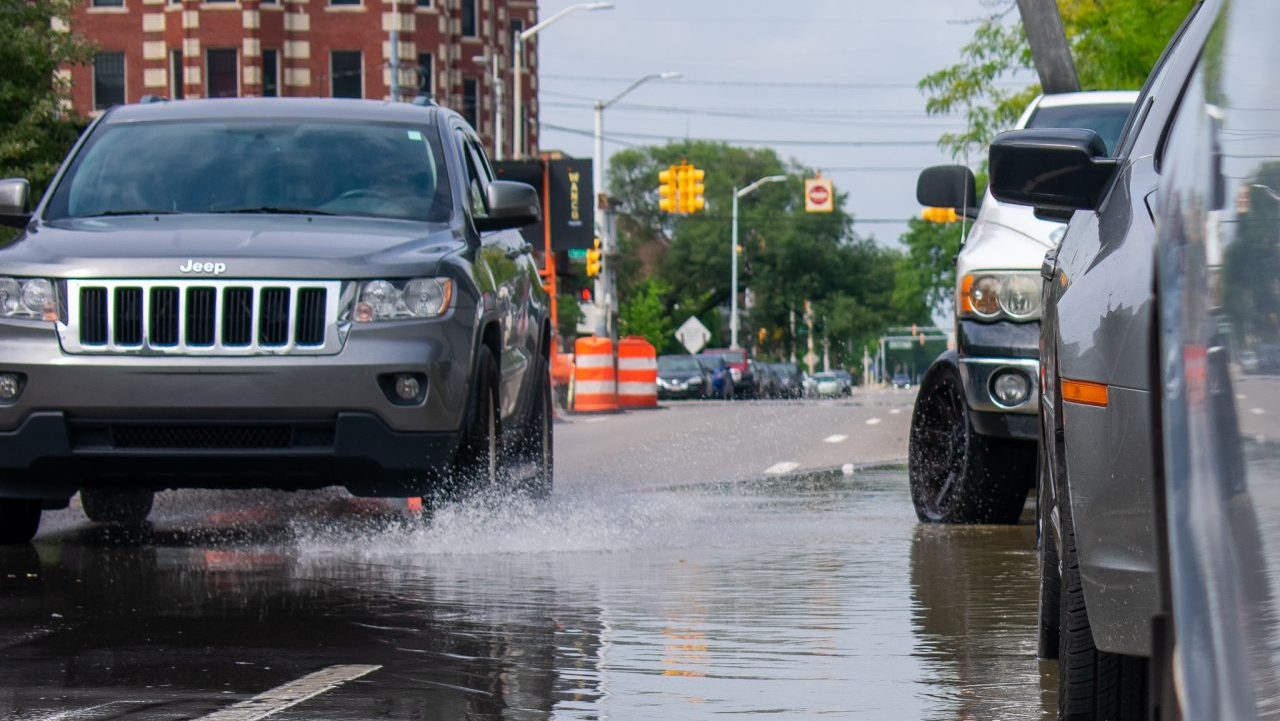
792,312
733,271
826,354
808,320
1049,48
393,54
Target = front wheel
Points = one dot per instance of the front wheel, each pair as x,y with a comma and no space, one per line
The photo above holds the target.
477,461
958,476
124,506
535,454
19,520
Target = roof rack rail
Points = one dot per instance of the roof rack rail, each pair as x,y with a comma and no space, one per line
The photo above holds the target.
425,101
152,99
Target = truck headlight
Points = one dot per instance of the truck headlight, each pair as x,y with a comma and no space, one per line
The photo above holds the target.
28,298
1000,295
398,300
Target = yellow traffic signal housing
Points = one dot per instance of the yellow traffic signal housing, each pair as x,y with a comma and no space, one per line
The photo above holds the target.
669,189
594,260
940,215
693,199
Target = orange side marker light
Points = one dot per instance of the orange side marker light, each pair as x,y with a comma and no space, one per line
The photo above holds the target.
1085,393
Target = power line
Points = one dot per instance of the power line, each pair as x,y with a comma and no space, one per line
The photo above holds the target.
735,83
795,116
758,141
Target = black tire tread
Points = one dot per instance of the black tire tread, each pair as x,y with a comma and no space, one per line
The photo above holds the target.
19,520
125,506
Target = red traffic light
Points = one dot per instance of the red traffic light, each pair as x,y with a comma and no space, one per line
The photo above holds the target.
586,295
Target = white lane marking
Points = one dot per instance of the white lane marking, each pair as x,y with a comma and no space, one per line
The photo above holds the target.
778,469
290,694
1257,411
837,438
873,421
79,713
894,411
595,419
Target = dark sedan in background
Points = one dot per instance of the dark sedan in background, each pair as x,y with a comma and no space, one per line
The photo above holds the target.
683,376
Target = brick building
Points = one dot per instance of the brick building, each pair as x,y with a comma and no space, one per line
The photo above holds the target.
315,48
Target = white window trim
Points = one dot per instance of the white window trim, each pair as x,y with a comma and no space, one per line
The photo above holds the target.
124,71
331,52
239,64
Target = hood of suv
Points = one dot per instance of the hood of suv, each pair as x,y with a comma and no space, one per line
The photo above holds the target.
242,246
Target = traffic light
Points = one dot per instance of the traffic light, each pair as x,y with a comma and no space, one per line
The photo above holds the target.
692,189
586,296
940,215
669,189
594,260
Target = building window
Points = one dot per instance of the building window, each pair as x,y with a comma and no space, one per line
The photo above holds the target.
222,73
517,27
108,3
108,80
346,74
426,69
424,3
470,96
344,2
270,73
176,81
469,18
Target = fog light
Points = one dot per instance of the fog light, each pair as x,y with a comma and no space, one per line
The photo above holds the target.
407,387
10,386
1010,388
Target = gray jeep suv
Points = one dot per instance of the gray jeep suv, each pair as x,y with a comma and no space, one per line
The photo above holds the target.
269,293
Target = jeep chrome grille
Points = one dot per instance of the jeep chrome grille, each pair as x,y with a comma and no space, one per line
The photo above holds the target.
208,317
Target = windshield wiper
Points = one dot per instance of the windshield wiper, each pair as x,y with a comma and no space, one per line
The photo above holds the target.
133,212
276,210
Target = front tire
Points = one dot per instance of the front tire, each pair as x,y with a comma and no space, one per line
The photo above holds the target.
122,506
958,476
535,455
478,459
19,520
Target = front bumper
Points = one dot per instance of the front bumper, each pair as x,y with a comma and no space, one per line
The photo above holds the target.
987,350
50,456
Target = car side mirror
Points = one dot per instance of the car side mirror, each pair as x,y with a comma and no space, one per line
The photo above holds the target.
948,186
511,205
1051,169
14,195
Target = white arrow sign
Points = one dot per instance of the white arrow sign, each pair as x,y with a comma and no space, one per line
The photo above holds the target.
693,335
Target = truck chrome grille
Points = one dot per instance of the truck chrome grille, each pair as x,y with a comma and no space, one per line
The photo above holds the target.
206,317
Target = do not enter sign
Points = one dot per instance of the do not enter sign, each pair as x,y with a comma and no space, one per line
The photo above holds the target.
819,196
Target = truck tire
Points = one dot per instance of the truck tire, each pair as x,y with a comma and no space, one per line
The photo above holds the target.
478,460
1048,601
19,520
535,455
124,506
1093,685
958,476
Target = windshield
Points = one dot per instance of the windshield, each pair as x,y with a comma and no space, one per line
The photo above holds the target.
254,166
668,364
1105,120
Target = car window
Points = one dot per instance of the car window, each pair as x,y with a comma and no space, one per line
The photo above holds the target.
477,181
1106,120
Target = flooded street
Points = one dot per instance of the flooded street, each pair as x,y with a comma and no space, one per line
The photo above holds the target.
799,597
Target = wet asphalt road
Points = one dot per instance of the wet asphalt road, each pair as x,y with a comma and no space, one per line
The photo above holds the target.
805,594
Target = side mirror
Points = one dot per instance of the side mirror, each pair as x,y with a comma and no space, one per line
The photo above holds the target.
14,195
1053,169
948,186
511,205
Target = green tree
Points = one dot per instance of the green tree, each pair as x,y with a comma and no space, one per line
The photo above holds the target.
1114,43
568,315
646,314
35,130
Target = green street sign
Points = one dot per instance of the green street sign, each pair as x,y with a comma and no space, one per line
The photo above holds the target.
578,254
899,345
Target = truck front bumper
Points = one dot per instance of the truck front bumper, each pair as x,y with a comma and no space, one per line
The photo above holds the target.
989,351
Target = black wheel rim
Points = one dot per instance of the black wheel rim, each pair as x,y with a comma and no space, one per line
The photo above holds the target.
940,441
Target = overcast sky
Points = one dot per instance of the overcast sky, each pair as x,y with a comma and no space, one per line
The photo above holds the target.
834,71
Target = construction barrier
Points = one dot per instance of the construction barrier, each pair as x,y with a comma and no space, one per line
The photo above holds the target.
637,373
595,387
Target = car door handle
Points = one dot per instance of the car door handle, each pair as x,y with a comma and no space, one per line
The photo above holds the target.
1049,267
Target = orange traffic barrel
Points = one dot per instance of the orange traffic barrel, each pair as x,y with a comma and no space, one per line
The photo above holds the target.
637,373
595,387
561,368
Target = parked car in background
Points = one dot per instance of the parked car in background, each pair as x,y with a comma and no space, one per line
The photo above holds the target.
831,384
721,376
768,383
744,381
790,380
683,376
985,391
900,380
1098,540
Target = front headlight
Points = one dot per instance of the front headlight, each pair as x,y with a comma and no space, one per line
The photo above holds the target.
1000,295
28,298
398,300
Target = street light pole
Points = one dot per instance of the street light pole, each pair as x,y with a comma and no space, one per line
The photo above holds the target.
517,146
496,80
607,292
733,272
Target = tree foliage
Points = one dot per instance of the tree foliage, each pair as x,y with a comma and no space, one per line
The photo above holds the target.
35,130
645,314
787,256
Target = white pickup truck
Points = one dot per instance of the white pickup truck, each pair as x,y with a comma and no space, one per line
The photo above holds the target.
973,432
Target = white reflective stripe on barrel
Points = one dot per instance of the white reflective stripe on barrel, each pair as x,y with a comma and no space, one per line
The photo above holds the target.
594,361
637,364
637,389
586,388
